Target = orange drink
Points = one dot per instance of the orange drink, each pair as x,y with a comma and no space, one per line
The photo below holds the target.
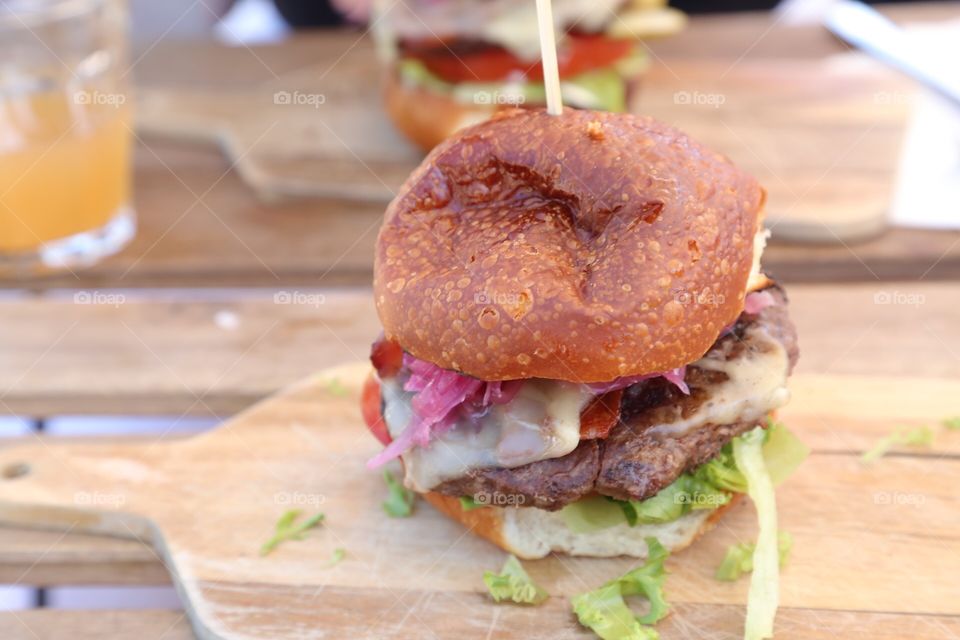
65,138
66,171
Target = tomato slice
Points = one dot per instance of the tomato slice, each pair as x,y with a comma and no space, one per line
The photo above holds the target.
387,357
370,407
600,415
492,63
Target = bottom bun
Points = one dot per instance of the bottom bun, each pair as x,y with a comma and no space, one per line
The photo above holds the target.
428,118
532,533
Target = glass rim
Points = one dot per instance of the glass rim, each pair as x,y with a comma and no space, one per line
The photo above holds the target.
26,14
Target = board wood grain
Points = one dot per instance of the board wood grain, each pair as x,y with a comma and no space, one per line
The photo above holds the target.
209,502
52,624
303,133
208,354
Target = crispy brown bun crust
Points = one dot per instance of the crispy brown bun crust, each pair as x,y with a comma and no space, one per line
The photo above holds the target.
485,523
582,247
427,118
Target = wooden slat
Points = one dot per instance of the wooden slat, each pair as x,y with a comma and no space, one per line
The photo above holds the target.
900,502
52,624
232,239
168,354
229,238
47,558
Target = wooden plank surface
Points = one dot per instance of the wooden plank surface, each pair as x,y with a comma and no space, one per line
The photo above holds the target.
43,558
201,226
47,558
52,624
48,624
844,516
132,353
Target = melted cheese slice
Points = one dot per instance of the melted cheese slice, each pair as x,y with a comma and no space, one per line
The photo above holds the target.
757,280
756,384
541,422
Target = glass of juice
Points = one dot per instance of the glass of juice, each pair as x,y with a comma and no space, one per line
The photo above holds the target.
65,136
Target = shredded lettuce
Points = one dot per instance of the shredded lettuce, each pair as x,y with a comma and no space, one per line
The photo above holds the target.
605,611
708,487
288,529
400,500
764,594
467,503
684,494
917,437
739,557
603,89
599,89
513,583
335,387
336,557
592,513
711,484
952,423
783,452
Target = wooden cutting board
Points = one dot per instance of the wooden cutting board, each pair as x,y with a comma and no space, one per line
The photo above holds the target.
876,554
822,135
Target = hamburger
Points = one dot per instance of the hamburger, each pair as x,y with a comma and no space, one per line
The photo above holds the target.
577,334
452,63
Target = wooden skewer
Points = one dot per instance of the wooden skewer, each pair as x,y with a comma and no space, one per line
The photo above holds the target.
548,55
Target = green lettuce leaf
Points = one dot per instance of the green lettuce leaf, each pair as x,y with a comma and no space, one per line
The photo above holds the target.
710,486
722,472
764,593
917,437
605,611
603,89
287,528
336,557
593,513
739,557
399,502
783,452
467,503
513,583
952,423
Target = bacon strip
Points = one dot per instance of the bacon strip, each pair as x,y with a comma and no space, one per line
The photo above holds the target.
600,416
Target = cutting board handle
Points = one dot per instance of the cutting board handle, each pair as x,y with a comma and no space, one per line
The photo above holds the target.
90,488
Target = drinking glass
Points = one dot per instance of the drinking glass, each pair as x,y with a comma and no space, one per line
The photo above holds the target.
65,141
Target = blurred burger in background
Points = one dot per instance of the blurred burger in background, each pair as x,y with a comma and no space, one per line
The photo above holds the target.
453,63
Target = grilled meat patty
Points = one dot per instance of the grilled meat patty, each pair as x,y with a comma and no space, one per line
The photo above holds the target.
635,462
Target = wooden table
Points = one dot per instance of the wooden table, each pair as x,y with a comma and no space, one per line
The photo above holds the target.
222,300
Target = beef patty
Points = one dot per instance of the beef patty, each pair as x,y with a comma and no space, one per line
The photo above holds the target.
635,462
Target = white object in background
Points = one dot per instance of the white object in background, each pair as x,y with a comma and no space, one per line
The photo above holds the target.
801,12
927,194
12,427
15,598
927,61
252,22
78,426
548,54
113,598
173,19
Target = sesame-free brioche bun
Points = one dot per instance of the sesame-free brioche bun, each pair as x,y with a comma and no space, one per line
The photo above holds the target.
425,117
530,533
580,247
